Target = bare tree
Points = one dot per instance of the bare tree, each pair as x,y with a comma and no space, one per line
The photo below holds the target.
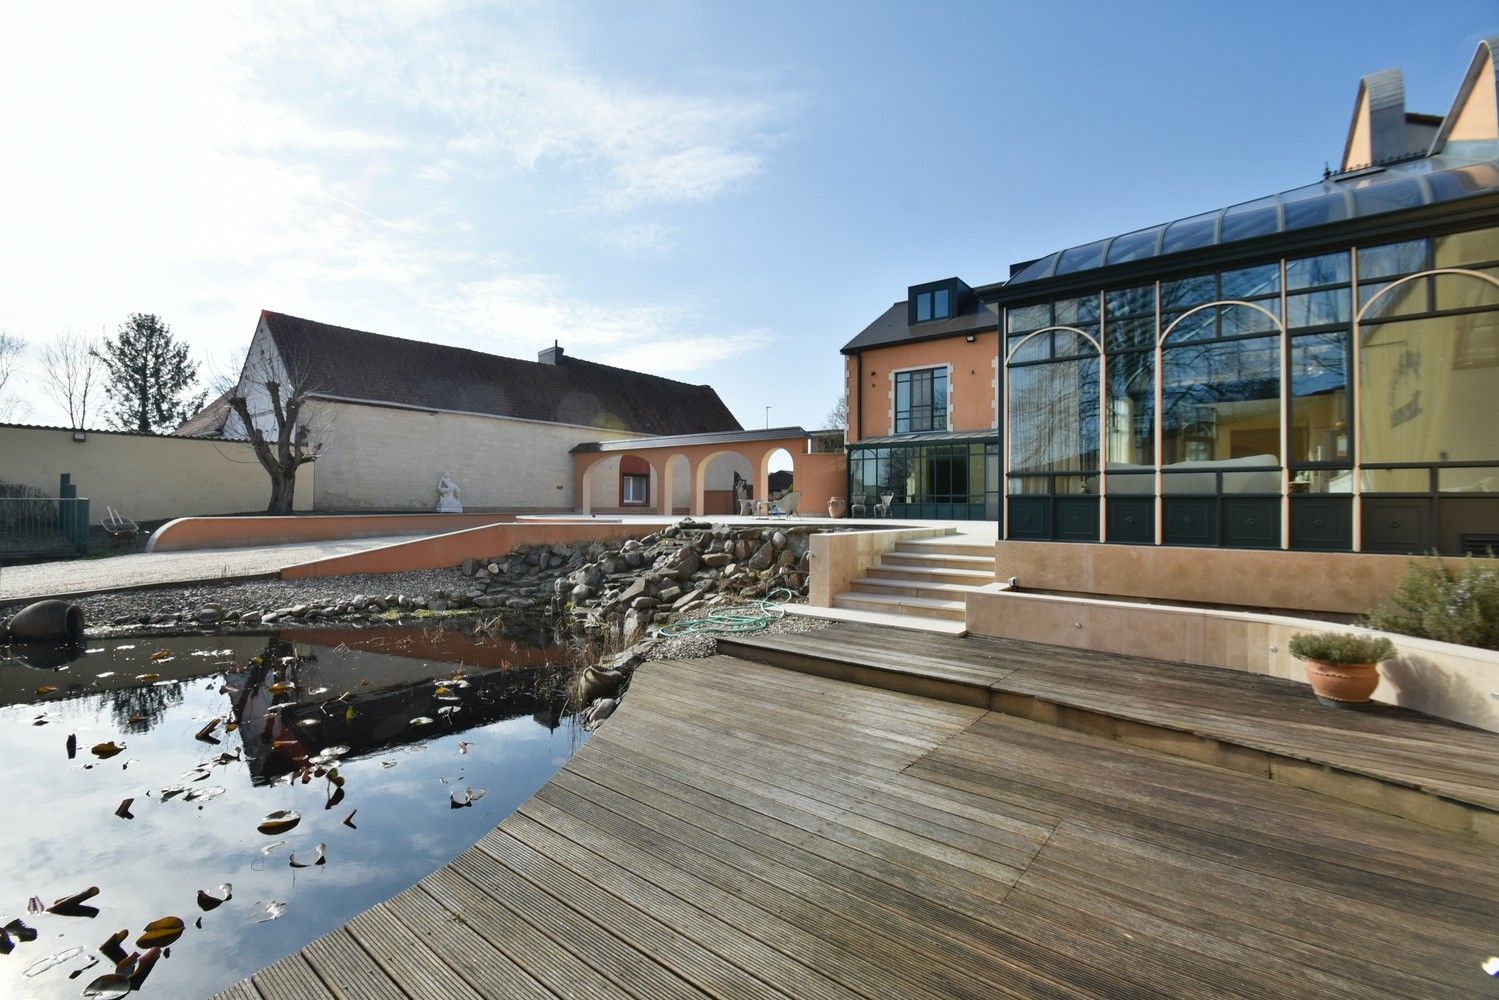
271,402
70,368
12,347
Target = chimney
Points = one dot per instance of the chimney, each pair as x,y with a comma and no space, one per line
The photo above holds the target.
551,356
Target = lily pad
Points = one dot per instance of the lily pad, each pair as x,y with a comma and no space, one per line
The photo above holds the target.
104,751
213,900
320,857
111,986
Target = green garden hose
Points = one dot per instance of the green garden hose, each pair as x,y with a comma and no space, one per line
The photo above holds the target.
752,618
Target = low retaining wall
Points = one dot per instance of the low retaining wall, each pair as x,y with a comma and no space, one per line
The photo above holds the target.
840,558
238,532
1344,582
1436,678
451,549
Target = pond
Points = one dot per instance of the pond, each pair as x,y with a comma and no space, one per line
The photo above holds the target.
394,749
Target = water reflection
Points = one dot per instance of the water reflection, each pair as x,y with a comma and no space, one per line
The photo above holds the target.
233,729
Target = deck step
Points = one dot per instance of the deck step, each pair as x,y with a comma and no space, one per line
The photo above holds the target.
953,610
912,588
935,574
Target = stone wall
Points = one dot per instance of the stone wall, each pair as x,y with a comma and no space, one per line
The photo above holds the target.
146,477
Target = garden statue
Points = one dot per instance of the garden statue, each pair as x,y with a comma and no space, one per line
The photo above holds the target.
447,495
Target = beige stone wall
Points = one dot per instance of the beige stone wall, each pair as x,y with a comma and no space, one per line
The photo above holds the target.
144,477
383,458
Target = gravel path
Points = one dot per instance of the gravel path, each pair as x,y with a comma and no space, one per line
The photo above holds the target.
78,576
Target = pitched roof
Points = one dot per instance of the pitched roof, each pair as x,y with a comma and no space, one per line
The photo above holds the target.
894,326
336,362
207,422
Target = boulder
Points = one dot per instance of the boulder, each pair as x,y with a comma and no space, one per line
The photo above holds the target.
761,560
470,566
717,560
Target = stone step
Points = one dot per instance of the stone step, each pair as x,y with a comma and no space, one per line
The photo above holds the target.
926,607
911,588
946,546
938,560
935,574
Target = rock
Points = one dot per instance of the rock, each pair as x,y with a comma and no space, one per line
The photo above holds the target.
643,603
493,568
250,616
470,566
717,560
624,662
269,619
208,613
762,559
635,624
778,539
686,599
687,563
486,601
598,712
786,559
668,594
636,589
437,604
520,603
581,593
634,559
378,604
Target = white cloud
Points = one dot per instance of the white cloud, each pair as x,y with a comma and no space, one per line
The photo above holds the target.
636,239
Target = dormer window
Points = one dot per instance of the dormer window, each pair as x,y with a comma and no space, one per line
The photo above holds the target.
935,300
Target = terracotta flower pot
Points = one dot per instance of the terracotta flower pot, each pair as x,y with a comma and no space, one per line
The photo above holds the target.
1343,683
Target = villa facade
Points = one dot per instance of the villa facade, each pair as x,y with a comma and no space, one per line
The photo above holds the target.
1315,370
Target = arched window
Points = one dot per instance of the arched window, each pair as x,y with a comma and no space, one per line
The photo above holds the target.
1052,399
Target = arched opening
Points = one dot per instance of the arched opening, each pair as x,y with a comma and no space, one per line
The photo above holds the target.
676,486
720,480
779,474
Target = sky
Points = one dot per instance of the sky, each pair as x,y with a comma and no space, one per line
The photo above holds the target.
722,193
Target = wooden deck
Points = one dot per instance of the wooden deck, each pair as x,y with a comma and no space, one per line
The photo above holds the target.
1262,725
744,832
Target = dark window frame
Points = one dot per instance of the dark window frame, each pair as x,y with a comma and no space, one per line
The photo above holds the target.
936,419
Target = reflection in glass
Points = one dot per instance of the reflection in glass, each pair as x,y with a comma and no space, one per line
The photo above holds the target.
1469,480
1312,272
1391,260
1221,400
1131,409
1318,308
1319,403
1025,318
1053,414
1481,246
1424,384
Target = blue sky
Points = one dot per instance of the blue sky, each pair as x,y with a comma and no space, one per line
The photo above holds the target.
719,193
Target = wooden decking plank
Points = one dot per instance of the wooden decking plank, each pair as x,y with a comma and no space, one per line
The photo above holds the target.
554,966
835,911
703,925
706,970
628,968
472,958
715,887
1266,914
348,969
292,977
242,990
408,962
861,842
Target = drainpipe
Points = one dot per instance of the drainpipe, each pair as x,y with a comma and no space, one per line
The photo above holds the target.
859,394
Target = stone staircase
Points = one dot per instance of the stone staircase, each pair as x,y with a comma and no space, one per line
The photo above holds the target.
924,578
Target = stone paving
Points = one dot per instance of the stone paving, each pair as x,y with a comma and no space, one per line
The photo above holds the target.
78,576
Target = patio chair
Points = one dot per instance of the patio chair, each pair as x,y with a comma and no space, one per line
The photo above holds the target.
120,528
786,506
746,508
882,509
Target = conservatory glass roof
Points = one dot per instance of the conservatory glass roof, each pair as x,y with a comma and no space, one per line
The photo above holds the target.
1357,194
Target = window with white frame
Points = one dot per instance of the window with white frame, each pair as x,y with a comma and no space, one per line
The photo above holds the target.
635,489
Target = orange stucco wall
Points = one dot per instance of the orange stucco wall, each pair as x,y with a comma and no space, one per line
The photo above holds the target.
230,532
440,551
971,389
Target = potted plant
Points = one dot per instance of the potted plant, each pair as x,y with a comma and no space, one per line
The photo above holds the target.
835,507
1342,668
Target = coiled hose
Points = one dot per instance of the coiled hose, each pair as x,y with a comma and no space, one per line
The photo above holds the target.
752,618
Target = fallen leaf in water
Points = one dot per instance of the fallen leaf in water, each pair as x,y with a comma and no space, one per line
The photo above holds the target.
335,798
468,798
208,901
320,857
447,710
72,745
421,720
47,689
464,746
146,964
6,944
230,726
39,721
349,820
442,691
388,764
206,733
204,793
281,688
19,929
148,676
71,906
111,986
161,932
93,961
161,654
348,713
111,949
35,905
104,751
279,821
270,911
124,811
